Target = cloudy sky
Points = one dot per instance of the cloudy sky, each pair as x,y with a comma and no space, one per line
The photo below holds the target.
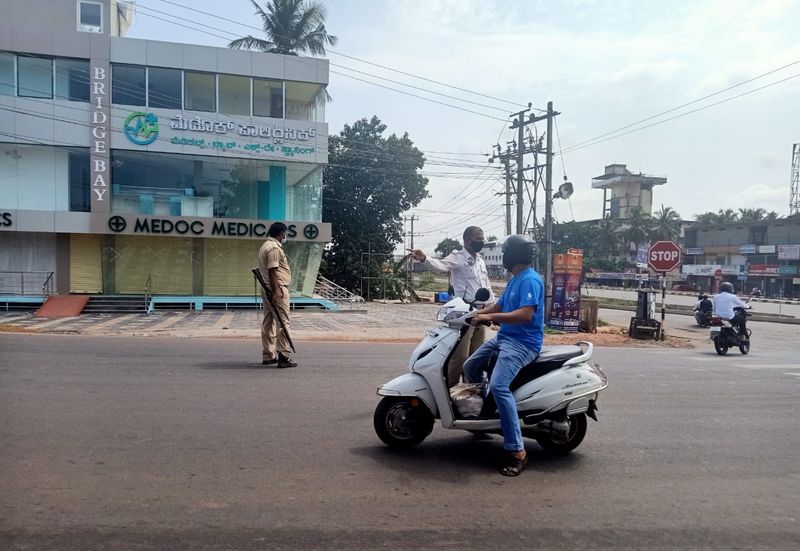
604,64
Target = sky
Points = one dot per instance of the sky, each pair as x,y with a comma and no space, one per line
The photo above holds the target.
604,65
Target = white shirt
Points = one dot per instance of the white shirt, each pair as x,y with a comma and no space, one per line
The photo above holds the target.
724,303
467,274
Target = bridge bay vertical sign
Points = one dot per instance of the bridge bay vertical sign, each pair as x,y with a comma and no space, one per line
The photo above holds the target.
566,306
99,157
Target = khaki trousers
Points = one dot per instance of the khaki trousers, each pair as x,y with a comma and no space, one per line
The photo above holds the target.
473,339
273,337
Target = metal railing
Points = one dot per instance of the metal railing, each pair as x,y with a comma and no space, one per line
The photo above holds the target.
47,286
148,292
327,289
26,283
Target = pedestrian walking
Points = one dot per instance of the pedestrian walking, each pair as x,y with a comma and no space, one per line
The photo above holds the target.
274,269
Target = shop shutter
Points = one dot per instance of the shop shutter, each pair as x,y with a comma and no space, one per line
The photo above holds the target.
85,267
227,265
168,260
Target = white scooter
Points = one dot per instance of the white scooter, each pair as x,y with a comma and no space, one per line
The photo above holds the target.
554,394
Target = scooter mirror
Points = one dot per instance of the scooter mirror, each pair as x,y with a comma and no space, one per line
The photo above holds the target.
482,295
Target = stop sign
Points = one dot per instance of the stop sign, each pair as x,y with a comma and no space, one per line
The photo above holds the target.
664,256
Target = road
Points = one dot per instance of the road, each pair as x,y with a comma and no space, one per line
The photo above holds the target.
686,300
157,443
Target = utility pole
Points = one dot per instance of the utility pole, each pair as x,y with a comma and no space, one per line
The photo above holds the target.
411,257
548,211
505,158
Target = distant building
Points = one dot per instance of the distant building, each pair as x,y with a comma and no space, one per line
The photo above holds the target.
624,192
765,255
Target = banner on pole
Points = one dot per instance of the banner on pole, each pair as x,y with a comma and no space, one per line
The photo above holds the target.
566,289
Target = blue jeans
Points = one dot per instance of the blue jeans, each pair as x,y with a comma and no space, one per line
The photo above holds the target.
511,357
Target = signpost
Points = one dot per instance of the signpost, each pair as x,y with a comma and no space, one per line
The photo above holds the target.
663,257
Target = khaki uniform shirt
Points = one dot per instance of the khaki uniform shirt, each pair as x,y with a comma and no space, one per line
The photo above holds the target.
270,256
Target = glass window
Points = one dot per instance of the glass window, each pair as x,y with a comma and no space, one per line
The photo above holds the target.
267,98
34,77
128,85
7,78
72,79
200,91
79,182
164,88
90,17
301,100
234,95
188,185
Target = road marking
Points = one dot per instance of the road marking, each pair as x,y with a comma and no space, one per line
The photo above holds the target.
795,374
765,366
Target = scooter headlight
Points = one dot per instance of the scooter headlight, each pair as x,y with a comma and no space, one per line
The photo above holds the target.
453,315
442,314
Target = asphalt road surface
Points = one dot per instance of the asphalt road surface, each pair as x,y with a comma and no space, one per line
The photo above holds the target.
155,443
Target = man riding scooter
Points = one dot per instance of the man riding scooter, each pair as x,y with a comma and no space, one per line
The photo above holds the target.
724,304
702,311
520,313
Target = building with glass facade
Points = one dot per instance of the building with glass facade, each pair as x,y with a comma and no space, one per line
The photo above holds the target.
126,160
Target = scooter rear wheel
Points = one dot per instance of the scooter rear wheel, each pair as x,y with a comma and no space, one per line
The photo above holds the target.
719,347
577,431
402,422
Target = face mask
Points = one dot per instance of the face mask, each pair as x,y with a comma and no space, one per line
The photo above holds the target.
475,246
283,240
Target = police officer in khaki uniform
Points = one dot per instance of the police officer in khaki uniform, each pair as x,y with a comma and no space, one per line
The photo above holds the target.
275,271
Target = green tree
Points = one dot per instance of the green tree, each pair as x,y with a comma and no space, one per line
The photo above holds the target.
364,196
638,231
607,238
666,225
291,27
446,246
576,235
492,239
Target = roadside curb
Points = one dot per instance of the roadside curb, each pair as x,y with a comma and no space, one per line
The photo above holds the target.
754,317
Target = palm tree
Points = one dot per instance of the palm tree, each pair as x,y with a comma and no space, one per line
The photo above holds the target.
291,27
607,239
666,225
639,224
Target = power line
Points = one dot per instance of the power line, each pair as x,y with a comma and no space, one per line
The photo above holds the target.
577,147
232,35
718,92
332,51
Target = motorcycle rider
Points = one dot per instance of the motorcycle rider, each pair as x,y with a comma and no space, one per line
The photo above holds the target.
724,304
468,273
702,309
520,313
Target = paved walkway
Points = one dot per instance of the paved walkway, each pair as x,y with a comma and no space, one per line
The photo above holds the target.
373,322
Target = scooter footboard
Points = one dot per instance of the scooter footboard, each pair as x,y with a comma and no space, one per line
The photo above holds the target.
412,385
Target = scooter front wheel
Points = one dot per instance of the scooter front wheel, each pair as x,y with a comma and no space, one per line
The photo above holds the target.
402,422
577,431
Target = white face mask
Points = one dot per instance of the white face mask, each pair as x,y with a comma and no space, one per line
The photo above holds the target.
283,239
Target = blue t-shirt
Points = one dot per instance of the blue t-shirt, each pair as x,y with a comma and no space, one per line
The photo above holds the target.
524,289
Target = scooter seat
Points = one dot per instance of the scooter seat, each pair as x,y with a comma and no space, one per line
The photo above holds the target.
549,359
557,353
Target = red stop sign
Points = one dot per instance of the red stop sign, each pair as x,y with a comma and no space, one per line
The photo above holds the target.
664,256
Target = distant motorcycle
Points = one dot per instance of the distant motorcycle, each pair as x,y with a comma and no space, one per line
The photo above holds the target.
703,319
726,335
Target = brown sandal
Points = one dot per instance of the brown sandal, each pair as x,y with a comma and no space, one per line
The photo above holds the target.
514,465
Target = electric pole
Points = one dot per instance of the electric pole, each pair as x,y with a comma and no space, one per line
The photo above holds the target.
411,234
548,210
505,159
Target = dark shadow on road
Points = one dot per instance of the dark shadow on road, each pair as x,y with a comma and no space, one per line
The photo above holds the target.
454,459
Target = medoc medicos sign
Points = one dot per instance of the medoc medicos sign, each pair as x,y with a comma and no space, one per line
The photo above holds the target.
161,130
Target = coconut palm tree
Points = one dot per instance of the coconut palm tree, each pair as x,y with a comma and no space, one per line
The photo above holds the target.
607,237
639,224
291,27
666,225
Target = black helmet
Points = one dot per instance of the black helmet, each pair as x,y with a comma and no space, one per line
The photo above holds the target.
518,249
726,287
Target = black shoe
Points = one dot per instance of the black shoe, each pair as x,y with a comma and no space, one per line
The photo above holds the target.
269,362
286,361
